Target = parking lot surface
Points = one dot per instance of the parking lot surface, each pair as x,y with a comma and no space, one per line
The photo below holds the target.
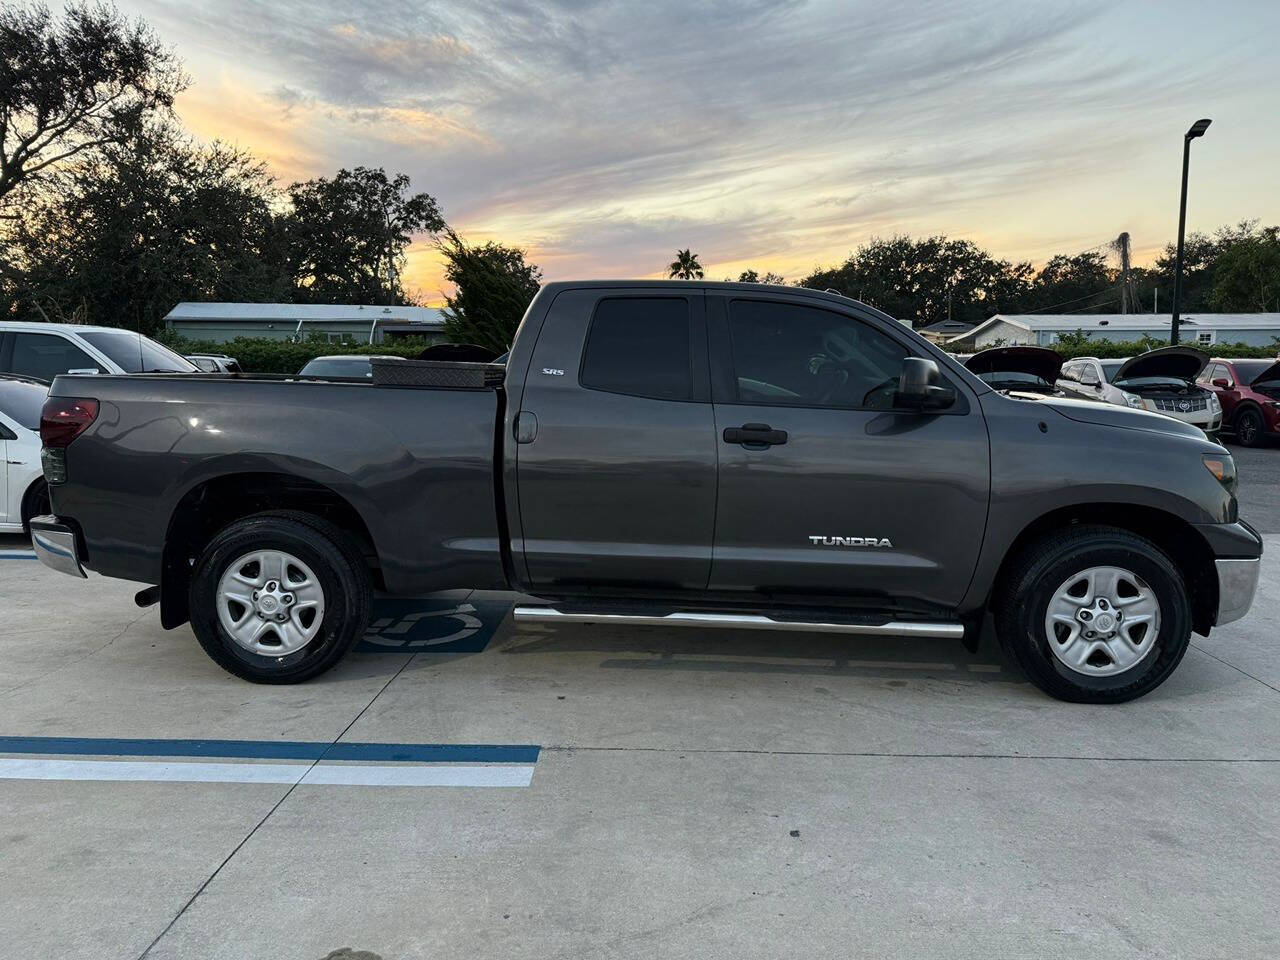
578,791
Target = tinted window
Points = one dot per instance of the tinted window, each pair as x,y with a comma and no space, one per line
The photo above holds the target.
790,354
205,364
22,402
332,367
1250,370
134,353
640,346
45,355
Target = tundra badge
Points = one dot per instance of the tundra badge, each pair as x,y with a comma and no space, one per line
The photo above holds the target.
850,542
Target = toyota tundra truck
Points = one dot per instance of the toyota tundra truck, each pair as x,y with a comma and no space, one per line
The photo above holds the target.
686,454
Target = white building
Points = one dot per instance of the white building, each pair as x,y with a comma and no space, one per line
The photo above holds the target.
1043,329
337,322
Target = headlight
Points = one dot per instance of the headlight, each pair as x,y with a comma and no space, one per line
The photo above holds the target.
1223,468
1214,403
1133,400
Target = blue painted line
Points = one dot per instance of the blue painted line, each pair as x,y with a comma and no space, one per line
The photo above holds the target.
274,749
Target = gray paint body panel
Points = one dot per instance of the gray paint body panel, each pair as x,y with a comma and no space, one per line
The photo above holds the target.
626,498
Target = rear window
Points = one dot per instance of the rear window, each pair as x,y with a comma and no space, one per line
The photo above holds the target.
640,346
22,401
134,353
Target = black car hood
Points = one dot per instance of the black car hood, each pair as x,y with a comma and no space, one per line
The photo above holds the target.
1038,361
1185,363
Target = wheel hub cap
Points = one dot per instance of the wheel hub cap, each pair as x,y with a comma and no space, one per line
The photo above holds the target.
1102,621
270,603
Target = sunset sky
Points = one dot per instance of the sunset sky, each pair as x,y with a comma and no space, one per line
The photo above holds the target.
777,134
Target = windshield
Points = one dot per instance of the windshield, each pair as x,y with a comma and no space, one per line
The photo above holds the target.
1109,368
134,353
1015,379
1247,370
337,367
23,401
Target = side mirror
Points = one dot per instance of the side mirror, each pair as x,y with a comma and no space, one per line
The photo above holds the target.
1222,382
920,386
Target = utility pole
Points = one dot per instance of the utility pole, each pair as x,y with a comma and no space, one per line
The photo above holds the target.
1128,302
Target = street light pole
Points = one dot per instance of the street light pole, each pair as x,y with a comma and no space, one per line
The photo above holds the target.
1197,130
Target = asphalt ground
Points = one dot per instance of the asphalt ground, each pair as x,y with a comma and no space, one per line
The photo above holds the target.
465,787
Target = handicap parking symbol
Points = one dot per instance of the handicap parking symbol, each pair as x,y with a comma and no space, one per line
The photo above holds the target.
432,626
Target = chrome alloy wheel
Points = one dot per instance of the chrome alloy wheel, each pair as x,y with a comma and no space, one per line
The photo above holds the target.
270,603
1102,621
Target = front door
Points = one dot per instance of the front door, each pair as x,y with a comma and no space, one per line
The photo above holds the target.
842,496
617,471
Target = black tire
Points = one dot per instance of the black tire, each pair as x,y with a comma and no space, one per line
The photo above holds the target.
338,566
35,503
1023,601
1249,427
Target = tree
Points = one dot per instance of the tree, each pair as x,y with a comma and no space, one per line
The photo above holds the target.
1082,283
927,280
72,84
685,266
128,230
751,276
493,287
1246,276
347,236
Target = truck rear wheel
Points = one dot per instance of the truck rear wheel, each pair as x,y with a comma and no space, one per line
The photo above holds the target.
279,597
1094,614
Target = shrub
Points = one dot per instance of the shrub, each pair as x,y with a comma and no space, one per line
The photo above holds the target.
266,355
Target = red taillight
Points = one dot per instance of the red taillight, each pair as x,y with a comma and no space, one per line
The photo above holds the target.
65,418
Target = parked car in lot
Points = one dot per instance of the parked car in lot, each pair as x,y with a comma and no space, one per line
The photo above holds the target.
1249,391
215,363
1162,381
1020,369
682,454
23,492
352,365
44,350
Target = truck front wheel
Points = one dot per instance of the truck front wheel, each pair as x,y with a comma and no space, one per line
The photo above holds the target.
1094,614
279,597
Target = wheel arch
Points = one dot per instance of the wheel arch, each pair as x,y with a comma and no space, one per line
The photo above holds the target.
215,502
1184,544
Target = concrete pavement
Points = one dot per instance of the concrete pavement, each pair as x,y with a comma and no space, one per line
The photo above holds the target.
698,794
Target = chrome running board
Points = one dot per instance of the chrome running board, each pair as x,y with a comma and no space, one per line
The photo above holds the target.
745,621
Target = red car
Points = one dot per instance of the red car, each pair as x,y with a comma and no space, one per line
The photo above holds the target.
1249,391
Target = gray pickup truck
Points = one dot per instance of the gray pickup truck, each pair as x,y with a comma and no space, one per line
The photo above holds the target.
676,453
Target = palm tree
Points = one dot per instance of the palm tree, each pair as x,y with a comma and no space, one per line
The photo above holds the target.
685,266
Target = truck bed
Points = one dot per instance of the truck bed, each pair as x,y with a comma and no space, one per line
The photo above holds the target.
415,465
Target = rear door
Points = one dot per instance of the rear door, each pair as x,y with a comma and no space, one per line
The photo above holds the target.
616,459
825,490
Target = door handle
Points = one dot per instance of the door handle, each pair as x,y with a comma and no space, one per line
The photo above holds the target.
755,435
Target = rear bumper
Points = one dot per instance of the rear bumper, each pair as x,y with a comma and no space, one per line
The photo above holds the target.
57,546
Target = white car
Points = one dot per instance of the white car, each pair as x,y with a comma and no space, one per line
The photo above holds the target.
44,350
1162,381
23,493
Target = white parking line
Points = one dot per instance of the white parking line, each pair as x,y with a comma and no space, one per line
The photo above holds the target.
442,775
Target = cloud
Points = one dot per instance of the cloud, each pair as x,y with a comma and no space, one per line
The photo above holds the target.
602,133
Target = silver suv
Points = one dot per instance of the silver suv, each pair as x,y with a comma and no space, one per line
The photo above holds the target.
1162,381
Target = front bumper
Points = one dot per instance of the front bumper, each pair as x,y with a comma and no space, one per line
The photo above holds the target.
1237,583
56,545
